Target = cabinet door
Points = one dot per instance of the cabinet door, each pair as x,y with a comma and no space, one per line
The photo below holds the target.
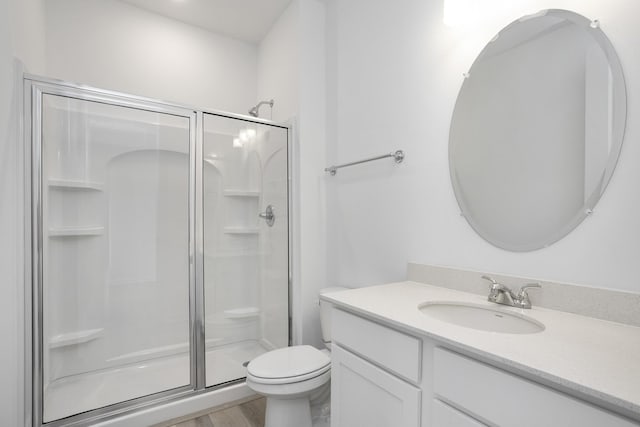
365,395
445,416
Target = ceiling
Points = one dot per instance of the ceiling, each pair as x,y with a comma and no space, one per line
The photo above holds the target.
247,20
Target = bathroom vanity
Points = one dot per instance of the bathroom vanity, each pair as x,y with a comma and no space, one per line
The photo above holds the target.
396,364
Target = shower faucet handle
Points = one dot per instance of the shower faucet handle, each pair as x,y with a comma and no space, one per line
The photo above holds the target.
268,215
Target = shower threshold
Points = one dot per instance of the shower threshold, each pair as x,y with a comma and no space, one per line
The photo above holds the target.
80,393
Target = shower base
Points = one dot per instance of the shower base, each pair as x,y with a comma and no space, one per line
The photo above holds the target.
84,392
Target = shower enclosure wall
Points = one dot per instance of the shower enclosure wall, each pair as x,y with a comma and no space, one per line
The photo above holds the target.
157,271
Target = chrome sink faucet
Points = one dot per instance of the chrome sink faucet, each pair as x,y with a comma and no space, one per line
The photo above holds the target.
501,294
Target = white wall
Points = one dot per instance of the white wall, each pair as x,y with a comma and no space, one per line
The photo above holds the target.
278,66
291,69
394,73
312,161
116,46
9,271
28,33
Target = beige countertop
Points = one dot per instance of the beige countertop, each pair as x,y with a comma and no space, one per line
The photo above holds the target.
597,359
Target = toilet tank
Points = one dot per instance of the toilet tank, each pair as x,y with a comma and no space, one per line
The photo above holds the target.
325,314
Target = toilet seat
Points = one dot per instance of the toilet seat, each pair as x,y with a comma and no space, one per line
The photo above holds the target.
288,365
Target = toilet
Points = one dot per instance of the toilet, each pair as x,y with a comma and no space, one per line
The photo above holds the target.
294,378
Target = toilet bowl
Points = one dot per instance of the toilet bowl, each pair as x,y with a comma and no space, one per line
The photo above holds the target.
288,377
291,378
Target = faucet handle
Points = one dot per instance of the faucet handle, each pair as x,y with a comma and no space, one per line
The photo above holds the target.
495,286
523,297
490,279
523,288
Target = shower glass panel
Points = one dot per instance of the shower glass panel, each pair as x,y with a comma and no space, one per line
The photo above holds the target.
246,249
115,269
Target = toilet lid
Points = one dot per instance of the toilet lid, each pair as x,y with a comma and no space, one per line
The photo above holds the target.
289,362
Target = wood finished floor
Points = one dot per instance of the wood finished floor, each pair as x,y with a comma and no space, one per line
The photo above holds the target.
247,414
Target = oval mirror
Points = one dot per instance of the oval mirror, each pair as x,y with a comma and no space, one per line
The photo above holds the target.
537,129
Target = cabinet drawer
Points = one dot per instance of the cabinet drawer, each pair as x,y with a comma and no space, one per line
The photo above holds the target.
503,399
393,350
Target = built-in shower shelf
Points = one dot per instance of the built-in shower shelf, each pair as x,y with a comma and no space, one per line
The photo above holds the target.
75,231
241,230
241,193
75,184
242,313
74,338
162,351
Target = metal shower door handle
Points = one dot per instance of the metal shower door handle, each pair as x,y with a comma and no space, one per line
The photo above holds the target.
268,216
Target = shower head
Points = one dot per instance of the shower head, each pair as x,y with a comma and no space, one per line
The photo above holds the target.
254,110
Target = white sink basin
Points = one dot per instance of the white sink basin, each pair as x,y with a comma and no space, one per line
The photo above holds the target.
481,317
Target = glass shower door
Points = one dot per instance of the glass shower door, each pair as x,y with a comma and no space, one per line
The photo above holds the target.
115,239
159,247
246,244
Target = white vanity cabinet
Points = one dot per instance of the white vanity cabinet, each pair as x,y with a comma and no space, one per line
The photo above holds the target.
382,377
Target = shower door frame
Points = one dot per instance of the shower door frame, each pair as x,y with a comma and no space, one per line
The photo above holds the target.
35,87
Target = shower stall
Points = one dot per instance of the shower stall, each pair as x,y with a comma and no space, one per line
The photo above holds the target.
159,246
